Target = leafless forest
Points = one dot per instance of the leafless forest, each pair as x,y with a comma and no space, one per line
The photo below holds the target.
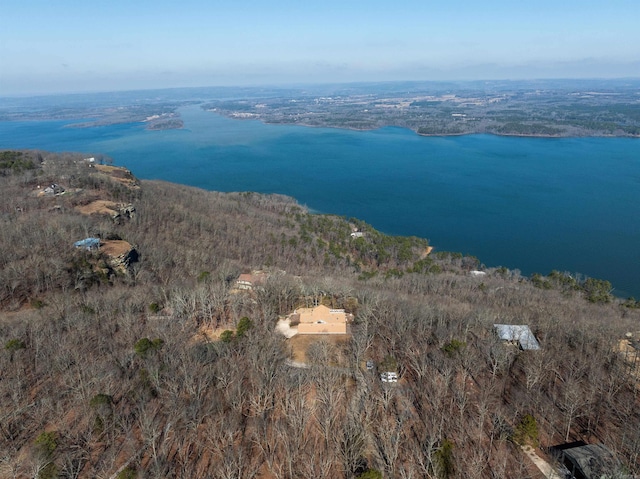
106,373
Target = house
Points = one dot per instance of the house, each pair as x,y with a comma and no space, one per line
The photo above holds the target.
321,320
477,274
88,243
587,461
53,190
248,281
517,334
357,234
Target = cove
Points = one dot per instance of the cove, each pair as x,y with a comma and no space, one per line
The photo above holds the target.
533,204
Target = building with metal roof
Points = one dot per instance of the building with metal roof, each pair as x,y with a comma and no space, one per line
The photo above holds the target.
519,334
589,461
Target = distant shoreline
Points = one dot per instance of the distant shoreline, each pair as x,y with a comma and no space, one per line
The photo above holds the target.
466,133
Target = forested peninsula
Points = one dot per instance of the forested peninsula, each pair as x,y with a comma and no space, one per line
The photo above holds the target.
535,108
149,329
544,108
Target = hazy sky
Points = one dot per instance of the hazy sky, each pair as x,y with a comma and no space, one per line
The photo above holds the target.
71,45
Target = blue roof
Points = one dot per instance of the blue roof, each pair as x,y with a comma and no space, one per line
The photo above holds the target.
88,243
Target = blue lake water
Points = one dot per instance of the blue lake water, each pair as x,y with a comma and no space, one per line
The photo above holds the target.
527,203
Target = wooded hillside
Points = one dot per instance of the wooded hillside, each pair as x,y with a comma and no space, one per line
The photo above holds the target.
113,369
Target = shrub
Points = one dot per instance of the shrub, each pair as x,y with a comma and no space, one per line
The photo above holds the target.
204,276
127,473
15,161
145,346
155,308
365,275
631,303
14,345
393,273
101,400
226,336
98,425
50,471
371,474
453,347
526,431
443,459
244,325
143,389
597,290
539,281
46,443
37,304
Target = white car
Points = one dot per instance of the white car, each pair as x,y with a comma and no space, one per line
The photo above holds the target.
389,377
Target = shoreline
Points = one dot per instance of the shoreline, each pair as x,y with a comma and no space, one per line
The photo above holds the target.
622,294
427,135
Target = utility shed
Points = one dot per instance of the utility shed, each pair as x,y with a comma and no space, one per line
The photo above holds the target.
588,461
517,333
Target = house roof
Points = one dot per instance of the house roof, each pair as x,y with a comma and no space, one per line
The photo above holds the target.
321,314
254,277
517,332
592,460
87,243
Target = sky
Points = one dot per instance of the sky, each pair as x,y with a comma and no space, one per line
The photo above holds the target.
67,46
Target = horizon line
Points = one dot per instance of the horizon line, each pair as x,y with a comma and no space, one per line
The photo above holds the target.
284,85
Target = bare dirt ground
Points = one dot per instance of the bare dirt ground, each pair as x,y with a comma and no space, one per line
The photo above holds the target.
102,207
115,248
284,327
119,174
209,334
426,252
300,343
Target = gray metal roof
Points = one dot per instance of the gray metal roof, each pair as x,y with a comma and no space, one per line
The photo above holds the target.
594,461
517,332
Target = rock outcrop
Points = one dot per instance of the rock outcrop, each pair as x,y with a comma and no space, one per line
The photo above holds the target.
121,254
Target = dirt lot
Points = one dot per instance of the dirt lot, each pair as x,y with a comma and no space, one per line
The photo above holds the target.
300,344
206,334
115,248
101,207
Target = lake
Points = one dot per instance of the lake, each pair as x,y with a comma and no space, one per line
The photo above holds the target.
534,204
